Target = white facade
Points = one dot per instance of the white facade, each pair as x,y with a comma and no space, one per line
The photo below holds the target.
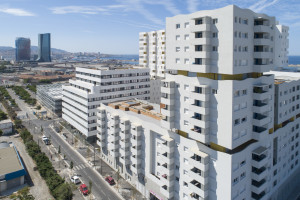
282,46
94,85
218,132
155,94
152,52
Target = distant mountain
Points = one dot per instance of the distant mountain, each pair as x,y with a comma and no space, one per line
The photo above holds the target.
34,49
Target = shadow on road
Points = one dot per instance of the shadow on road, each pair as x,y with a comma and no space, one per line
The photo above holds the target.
28,179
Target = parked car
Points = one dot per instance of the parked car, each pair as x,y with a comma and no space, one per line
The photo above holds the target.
84,189
75,179
46,140
110,180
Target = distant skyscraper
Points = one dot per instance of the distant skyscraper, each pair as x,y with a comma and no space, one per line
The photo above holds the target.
22,49
44,48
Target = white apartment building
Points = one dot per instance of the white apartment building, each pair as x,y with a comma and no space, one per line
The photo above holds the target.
282,42
152,52
96,84
226,128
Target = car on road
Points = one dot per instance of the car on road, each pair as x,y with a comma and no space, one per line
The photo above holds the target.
75,179
46,140
110,180
84,189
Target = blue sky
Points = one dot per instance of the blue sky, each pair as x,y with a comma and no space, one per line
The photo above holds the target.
112,26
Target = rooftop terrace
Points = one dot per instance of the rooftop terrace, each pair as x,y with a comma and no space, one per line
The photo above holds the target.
139,107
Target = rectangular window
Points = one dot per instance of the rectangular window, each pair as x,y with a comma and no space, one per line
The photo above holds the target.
198,35
245,21
186,49
215,48
186,61
198,48
198,21
186,25
237,121
177,60
177,37
186,37
177,49
215,21
215,34
177,26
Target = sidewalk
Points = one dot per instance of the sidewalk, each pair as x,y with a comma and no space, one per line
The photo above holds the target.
87,151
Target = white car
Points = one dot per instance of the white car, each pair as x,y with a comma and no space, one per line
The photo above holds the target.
75,179
44,138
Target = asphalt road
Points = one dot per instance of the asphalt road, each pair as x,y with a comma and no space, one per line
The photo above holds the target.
101,190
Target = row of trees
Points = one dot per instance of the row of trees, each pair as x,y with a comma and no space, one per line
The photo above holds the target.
31,88
3,115
57,186
9,108
23,94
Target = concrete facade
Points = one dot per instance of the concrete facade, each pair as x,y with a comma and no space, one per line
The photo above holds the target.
97,84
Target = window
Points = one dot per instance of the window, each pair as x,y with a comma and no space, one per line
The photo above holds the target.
177,178
177,60
236,180
186,37
214,91
198,48
186,99
236,107
215,48
235,19
235,34
186,61
215,34
177,26
177,37
245,21
244,119
198,35
185,149
186,25
177,49
186,49
198,21
245,49
244,92
215,21
237,121
236,93
243,175
243,163
185,172
185,161
186,111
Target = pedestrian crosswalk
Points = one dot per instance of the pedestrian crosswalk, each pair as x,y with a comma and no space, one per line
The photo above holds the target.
81,166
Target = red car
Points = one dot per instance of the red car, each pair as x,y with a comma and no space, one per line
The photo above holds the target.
84,189
110,180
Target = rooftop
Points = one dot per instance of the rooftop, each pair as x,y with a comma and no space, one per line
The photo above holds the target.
5,121
53,90
139,107
282,76
9,160
107,67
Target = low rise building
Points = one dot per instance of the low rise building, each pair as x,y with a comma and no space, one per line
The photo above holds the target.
6,126
12,170
50,96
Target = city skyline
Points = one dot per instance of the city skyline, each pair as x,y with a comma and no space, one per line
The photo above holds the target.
114,26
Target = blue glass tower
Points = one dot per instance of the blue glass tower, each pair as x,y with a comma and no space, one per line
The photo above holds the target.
22,49
44,48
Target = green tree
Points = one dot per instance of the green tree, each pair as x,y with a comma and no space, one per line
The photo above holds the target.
59,150
1,132
18,123
71,165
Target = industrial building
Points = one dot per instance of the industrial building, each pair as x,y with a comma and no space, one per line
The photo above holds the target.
12,170
6,126
50,96
227,126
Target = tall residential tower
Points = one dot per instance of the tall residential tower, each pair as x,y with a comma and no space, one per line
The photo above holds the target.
226,127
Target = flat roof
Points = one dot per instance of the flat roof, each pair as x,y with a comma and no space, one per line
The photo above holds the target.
139,108
9,161
107,67
5,121
282,76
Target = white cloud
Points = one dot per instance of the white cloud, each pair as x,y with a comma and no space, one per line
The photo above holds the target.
261,5
192,5
88,10
168,4
16,12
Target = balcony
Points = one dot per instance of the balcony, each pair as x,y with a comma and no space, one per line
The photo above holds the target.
167,122
259,174
258,196
136,142
167,180
262,28
199,96
200,27
135,150
101,143
258,186
167,90
168,192
198,188
259,157
199,175
198,162
262,41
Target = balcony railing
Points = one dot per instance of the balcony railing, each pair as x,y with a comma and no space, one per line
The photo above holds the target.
258,196
258,158
258,171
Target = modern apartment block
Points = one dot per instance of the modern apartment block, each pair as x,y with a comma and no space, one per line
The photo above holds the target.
50,96
96,84
226,127
152,52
